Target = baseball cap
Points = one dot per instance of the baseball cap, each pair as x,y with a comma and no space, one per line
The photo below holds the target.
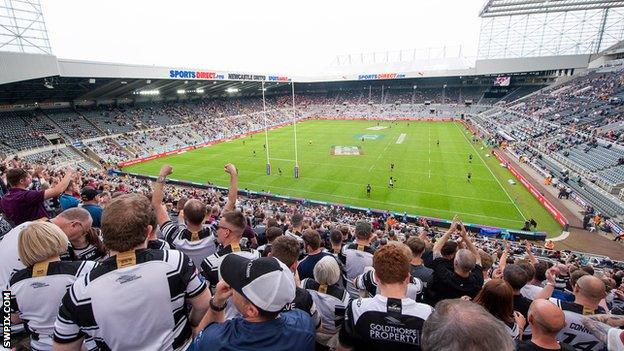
265,281
88,193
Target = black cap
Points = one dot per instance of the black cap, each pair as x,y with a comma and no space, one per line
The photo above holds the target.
88,193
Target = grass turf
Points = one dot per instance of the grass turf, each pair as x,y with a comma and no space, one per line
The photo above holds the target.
431,180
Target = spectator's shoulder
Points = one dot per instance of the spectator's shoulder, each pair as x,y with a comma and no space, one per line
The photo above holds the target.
212,335
298,319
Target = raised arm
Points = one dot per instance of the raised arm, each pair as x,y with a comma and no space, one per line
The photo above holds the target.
548,289
233,192
219,301
60,187
157,195
437,248
469,245
528,246
503,259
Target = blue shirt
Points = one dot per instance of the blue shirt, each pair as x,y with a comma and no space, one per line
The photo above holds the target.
291,331
68,201
306,266
96,213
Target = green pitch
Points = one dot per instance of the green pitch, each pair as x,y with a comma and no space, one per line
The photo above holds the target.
430,179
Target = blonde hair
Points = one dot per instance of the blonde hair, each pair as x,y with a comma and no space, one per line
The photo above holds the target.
40,241
326,271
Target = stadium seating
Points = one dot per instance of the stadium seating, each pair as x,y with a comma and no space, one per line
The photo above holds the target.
73,124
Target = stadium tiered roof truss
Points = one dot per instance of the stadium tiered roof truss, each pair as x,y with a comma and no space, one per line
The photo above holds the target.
532,28
22,27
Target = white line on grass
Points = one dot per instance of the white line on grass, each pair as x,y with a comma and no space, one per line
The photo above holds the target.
382,202
429,147
380,154
493,175
362,185
401,138
281,159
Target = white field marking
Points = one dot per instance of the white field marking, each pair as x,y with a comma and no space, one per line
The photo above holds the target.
401,138
380,154
401,189
429,148
429,173
561,237
382,202
376,128
493,175
398,172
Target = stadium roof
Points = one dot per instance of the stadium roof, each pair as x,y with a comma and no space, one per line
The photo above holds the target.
499,8
77,88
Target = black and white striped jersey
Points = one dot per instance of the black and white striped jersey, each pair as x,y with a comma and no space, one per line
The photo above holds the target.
381,323
355,258
574,333
36,293
158,244
210,266
196,245
10,261
331,302
88,253
145,289
366,281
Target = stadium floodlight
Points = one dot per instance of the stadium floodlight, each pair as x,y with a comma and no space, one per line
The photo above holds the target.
181,91
232,90
148,92
199,91
91,80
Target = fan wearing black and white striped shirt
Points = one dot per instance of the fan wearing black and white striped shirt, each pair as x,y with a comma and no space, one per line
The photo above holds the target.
188,234
134,288
330,299
229,233
390,320
37,290
357,255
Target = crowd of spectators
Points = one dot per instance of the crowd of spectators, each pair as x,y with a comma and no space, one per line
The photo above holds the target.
90,256
588,103
96,255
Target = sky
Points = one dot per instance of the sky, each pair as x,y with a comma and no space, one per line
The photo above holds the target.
291,37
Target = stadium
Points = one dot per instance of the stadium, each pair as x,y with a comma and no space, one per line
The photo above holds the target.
524,143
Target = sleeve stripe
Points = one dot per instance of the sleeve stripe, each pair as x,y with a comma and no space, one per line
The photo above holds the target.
197,291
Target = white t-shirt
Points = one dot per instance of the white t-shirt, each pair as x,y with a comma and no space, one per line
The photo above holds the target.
530,291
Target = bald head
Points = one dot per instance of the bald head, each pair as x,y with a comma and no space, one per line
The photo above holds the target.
546,317
470,326
76,214
590,287
465,260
